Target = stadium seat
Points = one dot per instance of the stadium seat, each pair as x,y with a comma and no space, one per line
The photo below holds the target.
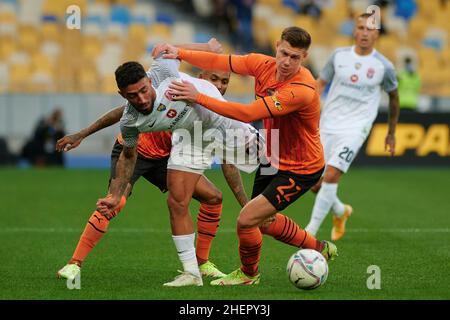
4,77
7,13
88,81
138,32
120,14
50,31
108,84
165,18
143,13
29,38
8,46
182,32
98,13
41,81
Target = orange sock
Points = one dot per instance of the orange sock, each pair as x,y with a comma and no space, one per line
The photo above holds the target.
93,232
207,224
250,243
286,230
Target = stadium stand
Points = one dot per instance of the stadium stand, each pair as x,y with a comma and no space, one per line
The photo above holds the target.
37,50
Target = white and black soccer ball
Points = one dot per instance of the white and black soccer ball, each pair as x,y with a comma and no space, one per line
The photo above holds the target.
307,269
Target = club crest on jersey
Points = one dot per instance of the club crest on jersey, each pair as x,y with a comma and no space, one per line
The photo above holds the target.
370,73
358,65
172,113
168,95
161,107
277,103
354,78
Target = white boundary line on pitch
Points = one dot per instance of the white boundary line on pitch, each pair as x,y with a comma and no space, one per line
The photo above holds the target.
228,230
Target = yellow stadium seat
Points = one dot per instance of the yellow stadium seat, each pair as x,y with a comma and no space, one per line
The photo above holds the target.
160,31
91,48
109,84
341,41
7,47
41,63
417,28
88,81
19,77
29,38
137,31
50,31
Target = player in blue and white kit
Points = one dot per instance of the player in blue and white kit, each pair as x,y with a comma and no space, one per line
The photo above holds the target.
152,108
357,75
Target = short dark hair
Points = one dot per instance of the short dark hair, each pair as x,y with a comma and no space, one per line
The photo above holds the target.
297,37
129,73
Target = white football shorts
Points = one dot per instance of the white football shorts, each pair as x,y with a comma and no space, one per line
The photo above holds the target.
340,149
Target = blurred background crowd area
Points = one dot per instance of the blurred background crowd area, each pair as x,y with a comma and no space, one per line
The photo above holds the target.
39,54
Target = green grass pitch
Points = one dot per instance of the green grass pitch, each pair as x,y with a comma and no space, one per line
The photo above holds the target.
401,223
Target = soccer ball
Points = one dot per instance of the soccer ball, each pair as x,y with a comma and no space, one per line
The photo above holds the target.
307,269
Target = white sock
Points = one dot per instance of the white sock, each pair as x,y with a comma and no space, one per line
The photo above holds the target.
324,200
338,207
186,252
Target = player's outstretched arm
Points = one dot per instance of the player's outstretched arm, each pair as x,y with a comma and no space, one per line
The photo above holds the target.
124,170
394,113
72,141
268,107
213,45
233,178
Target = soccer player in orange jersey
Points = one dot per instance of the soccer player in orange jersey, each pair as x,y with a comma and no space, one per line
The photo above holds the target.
288,102
153,153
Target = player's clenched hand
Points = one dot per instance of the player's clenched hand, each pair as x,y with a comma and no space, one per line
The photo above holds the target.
183,91
68,142
106,206
215,45
169,51
389,144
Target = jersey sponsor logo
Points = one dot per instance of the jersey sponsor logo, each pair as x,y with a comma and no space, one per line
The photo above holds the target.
161,107
172,113
277,103
181,115
370,73
354,78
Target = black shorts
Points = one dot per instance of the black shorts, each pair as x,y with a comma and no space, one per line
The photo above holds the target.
153,170
284,187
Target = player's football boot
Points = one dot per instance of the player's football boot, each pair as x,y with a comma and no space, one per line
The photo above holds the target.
338,229
69,271
185,279
209,269
237,277
329,250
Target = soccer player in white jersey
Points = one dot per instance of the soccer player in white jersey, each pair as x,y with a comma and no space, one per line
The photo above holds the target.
150,108
357,75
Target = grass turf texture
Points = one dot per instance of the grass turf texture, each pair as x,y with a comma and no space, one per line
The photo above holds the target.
400,224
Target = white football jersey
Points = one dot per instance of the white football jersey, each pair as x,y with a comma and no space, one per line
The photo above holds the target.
354,96
169,115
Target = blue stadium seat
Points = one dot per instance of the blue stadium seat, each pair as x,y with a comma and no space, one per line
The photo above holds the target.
165,18
293,4
120,14
49,18
202,37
